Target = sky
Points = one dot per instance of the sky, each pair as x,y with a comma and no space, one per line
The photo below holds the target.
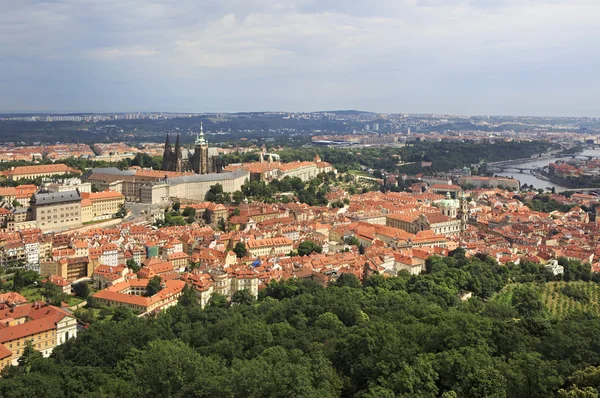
468,57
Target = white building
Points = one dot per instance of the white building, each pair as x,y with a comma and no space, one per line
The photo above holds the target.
554,267
69,184
110,255
193,187
32,254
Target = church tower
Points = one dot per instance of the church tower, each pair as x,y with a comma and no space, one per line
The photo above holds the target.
178,156
167,155
463,212
202,164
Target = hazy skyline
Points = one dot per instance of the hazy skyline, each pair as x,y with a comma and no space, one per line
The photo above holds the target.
441,56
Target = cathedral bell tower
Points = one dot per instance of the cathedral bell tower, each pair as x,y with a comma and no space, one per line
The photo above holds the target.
179,156
202,163
167,155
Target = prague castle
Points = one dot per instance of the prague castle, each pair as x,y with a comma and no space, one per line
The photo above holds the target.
203,160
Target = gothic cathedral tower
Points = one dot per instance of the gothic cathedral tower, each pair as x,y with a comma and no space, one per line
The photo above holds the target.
167,155
201,162
179,156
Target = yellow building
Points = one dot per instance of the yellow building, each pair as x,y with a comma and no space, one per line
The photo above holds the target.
45,326
104,205
130,294
69,268
87,210
44,170
273,246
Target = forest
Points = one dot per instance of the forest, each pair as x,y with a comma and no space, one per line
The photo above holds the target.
445,156
403,336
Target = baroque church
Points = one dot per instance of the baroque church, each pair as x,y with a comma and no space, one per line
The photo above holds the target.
202,160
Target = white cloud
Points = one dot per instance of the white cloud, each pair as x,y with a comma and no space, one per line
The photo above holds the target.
111,53
378,45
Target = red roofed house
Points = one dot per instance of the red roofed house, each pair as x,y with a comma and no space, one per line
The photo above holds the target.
45,170
130,294
44,325
59,281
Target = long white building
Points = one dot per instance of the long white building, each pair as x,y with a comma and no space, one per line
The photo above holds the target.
192,187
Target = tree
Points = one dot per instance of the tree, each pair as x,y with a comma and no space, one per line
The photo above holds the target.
52,292
242,297
484,383
188,297
154,286
236,211
189,212
240,249
361,249
576,392
527,300
352,241
217,301
221,224
81,290
132,265
529,375
176,206
23,278
15,203
307,247
237,197
122,212
217,195
29,356
121,314
348,280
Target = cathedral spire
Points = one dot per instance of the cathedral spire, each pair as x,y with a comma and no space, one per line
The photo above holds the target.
200,140
167,149
177,146
167,155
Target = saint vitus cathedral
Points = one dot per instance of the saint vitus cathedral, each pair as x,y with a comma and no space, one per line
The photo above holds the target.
203,160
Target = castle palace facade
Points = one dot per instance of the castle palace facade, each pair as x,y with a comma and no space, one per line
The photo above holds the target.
203,160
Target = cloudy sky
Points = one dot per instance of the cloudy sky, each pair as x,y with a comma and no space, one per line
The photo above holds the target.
520,57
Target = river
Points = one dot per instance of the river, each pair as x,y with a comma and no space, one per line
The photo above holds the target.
527,178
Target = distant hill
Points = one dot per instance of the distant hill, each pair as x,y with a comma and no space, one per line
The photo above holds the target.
349,112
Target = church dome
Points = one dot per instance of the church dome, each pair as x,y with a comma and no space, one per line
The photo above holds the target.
448,202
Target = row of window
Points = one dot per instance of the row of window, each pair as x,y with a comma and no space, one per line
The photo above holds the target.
61,209
32,340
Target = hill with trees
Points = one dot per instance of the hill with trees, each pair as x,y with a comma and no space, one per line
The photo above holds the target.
404,336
